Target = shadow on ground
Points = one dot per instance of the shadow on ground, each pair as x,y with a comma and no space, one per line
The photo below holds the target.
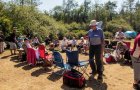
20,64
4,57
55,76
41,71
14,59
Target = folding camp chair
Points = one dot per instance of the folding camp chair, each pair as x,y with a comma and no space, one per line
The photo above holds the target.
128,44
59,62
73,61
43,56
127,53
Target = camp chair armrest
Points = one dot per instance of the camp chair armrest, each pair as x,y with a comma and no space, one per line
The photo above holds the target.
57,62
84,61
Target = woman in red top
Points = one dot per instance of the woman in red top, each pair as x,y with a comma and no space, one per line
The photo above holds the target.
136,62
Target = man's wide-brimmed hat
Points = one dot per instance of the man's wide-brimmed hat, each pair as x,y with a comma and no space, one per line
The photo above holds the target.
93,23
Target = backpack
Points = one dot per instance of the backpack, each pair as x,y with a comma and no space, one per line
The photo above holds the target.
74,78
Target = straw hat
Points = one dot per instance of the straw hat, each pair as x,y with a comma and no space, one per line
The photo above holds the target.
93,23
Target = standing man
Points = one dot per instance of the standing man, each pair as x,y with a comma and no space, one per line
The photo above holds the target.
96,41
13,41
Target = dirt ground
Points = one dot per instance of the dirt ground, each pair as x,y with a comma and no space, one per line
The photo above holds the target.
15,75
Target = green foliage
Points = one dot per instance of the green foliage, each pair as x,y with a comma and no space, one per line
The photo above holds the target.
69,20
108,35
28,19
79,33
114,24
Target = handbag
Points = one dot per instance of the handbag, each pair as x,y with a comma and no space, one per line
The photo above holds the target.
74,78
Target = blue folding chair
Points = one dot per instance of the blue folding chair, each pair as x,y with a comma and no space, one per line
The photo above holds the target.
73,61
59,62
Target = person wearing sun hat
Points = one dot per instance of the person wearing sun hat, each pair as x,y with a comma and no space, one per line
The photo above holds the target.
96,47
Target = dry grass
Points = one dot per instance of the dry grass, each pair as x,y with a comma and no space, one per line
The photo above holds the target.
15,75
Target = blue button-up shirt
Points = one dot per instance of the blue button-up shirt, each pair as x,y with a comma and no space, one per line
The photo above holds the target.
95,36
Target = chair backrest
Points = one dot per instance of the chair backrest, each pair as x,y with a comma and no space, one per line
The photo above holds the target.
41,49
58,59
31,56
72,57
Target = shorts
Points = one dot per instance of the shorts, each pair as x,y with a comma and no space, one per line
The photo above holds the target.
12,45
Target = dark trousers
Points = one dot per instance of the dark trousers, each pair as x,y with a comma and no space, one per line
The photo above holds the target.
96,63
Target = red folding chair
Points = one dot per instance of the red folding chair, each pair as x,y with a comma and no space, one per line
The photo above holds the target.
128,44
47,58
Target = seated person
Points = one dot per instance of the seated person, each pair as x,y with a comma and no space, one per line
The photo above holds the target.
48,56
47,40
51,46
20,43
35,41
56,43
119,36
74,43
80,46
86,46
69,46
121,48
28,44
64,44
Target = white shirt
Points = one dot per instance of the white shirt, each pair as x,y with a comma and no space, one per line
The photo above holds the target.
119,36
74,42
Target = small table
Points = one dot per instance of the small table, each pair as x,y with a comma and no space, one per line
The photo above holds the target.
21,50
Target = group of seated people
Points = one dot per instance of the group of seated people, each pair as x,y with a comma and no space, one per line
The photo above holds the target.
24,44
31,49
81,46
118,50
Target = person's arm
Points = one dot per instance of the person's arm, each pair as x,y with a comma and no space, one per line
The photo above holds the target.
102,43
139,46
116,35
102,40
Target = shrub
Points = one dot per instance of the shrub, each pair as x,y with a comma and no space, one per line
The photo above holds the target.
108,35
114,24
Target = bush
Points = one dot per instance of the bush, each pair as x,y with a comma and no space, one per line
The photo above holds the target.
79,33
108,35
114,24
